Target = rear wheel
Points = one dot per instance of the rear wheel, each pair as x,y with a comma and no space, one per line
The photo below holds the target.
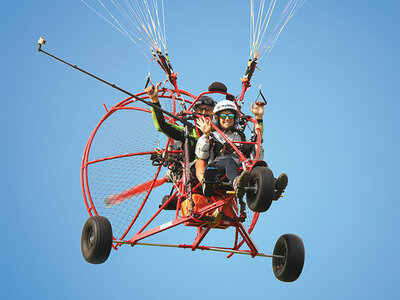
96,240
262,185
288,269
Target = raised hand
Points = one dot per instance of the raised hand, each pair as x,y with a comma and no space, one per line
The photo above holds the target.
204,124
152,91
257,110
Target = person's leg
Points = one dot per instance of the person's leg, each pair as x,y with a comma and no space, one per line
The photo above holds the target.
200,166
239,182
229,167
207,174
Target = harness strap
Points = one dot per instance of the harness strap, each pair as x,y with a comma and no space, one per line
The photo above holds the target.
216,146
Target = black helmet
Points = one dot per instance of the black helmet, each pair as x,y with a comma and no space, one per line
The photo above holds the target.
204,100
217,87
220,87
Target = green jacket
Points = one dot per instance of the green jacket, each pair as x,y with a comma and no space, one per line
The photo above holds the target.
174,131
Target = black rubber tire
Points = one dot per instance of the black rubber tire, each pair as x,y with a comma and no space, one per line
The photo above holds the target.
288,269
96,240
262,179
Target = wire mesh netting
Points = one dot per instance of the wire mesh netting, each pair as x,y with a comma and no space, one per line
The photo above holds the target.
249,218
119,160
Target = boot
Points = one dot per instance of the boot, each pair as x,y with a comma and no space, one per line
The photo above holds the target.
210,177
240,182
280,186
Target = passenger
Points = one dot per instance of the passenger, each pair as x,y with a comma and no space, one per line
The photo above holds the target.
223,158
226,160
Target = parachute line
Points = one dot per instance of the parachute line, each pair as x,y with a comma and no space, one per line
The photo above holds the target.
265,30
141,21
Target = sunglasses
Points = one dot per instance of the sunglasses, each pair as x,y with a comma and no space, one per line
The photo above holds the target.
224,116
204,108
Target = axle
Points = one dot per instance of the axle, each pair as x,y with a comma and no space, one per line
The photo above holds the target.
199,247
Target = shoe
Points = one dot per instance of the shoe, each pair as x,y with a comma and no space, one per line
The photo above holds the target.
210,177
240,182
211,173
280,186
282,182
171,205
207,188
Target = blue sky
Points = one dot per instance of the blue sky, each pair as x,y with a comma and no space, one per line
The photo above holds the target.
332,124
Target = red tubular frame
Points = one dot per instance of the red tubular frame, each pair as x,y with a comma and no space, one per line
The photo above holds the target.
203,225
203,228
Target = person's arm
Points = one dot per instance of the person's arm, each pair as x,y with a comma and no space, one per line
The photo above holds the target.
258,111
203,147
171,130
260,126
203,143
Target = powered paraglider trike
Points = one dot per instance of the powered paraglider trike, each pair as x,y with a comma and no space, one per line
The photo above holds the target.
120,171
126,159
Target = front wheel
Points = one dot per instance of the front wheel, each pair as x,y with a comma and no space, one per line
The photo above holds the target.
261,189
96,240
289,268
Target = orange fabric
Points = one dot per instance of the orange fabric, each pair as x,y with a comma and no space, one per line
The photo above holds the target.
201,201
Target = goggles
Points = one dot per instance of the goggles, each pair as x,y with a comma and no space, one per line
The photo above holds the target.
204,100
229,116
207,102
204,108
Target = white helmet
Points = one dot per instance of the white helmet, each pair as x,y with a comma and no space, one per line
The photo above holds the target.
225,104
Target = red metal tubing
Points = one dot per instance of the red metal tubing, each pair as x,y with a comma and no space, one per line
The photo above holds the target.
84,175
143,203
241,155
252,225
119,156
158,212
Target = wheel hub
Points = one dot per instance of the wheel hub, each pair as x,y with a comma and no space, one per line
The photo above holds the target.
281,262
91,238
